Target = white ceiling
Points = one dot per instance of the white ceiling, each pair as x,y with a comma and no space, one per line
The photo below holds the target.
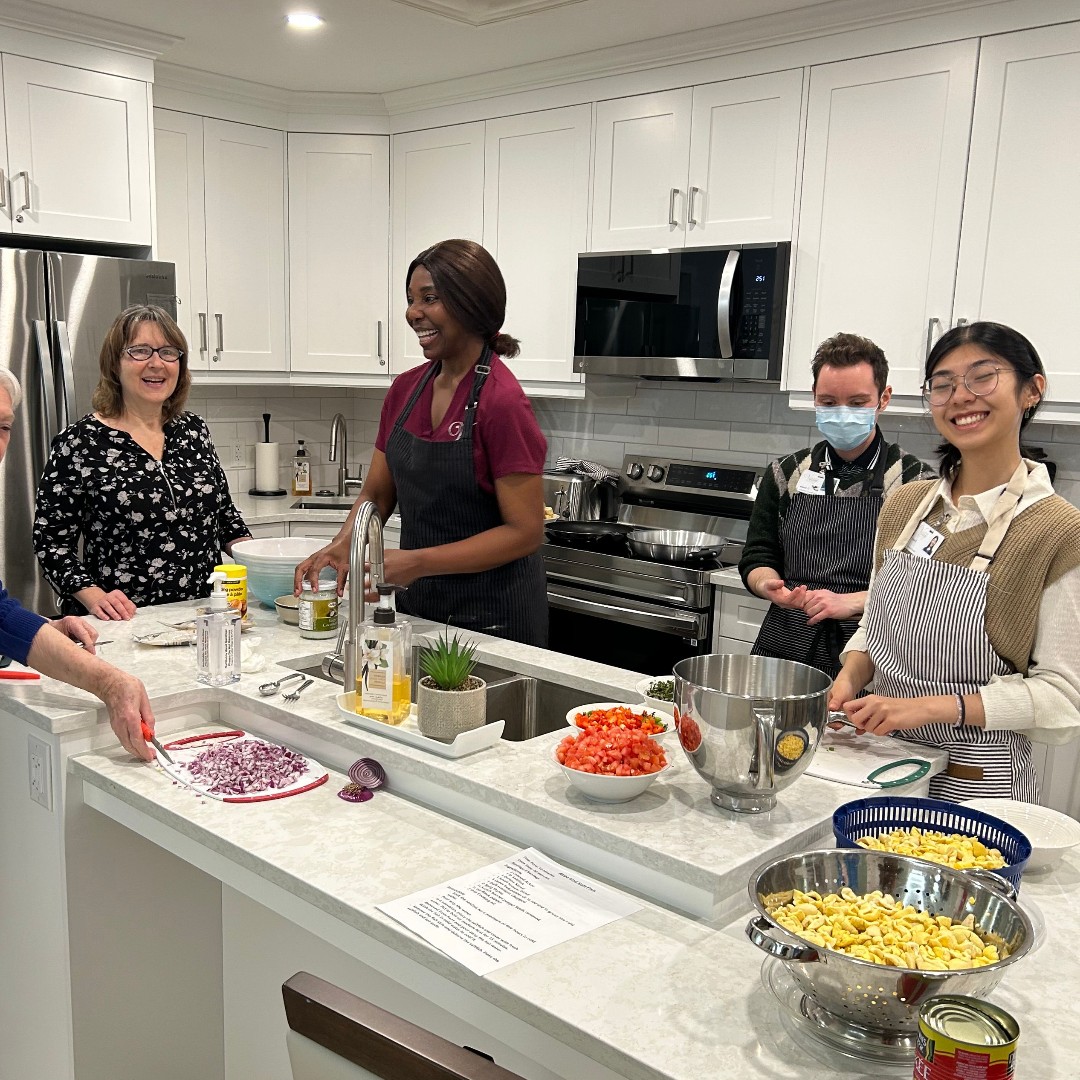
379,46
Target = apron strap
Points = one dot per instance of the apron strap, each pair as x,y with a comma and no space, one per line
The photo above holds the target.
481,372
823,461
1001,518
411,403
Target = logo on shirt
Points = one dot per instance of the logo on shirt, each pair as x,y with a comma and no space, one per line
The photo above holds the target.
455,430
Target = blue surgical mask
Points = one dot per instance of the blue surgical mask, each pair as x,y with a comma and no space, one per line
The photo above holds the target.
845,427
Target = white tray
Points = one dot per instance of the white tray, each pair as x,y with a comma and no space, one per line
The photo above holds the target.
468,742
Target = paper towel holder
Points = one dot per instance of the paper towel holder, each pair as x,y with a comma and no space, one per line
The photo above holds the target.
266,493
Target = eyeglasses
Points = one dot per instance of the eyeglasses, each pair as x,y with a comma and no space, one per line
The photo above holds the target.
981,379
142,353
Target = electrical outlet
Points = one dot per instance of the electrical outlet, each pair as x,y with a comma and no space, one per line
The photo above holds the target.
40,761
238,454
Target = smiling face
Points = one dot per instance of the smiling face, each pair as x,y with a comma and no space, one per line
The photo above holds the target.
7,418
441,336
989,421
150,382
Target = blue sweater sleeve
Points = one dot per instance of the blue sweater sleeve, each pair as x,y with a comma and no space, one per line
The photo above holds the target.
18,627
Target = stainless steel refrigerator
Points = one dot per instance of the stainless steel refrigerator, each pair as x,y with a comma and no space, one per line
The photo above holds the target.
54,312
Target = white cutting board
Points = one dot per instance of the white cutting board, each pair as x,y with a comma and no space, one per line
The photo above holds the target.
848,758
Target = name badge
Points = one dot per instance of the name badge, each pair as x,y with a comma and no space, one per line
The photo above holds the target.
811,483
925,541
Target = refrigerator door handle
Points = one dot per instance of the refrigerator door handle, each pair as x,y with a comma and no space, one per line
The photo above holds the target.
67,369
48,389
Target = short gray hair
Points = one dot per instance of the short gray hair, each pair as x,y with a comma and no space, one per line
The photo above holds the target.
11,385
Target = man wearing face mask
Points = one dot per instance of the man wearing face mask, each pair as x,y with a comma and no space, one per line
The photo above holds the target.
810,539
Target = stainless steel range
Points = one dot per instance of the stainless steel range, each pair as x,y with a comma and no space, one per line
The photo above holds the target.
645,614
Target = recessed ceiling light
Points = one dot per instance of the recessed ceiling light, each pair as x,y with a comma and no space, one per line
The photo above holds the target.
304,20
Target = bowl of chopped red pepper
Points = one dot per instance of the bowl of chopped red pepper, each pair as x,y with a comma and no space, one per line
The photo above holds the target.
611,764
617,714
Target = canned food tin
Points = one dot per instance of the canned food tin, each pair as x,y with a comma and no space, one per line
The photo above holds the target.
318,610
235,586
963,1038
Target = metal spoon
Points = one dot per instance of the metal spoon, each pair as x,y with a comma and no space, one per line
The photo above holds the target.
268,689
297,692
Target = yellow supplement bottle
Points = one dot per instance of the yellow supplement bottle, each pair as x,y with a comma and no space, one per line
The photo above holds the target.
383,653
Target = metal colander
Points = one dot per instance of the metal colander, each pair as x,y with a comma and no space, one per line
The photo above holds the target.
874,996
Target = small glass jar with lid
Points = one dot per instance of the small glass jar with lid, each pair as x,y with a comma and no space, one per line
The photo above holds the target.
318,610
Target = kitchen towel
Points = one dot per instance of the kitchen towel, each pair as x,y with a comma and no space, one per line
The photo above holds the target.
266,467
587,468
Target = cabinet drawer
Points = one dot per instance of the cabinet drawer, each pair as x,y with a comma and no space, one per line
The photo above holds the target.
273,528
741,615
317,529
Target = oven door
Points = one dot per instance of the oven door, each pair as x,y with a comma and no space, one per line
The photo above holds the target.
623,631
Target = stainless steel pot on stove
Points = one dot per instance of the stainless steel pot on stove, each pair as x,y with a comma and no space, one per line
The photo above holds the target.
749,724
675,545
579,498
874,996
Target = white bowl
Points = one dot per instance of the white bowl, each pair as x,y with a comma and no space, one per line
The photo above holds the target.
610,789
271,562
657,704
288,609
638,710
1051,833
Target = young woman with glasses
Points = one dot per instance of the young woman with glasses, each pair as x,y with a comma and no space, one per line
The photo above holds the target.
968,640
137,482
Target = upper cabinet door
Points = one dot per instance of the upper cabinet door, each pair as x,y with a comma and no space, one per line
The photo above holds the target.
882,196
339,211
245,247
744,152
535,223
1019,258
640,170
181,222
78,152
438,195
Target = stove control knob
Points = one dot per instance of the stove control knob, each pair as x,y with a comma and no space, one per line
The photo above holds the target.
656,473
634,470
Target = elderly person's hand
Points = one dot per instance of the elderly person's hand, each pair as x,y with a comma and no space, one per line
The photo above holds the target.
78,630
106,606
125,697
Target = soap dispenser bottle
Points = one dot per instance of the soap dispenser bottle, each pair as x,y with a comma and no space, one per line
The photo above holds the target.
217,637
384,651
301,484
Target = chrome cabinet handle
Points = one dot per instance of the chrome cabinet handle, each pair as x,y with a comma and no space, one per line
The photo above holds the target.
378,343
671,208
959,323
220,337
202,332
690,219
26,192
931,323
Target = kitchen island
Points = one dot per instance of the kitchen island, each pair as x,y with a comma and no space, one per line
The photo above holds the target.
179,914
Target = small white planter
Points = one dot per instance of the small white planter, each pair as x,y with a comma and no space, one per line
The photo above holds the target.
445,714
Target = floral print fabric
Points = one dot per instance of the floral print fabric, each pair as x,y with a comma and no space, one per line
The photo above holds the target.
153,529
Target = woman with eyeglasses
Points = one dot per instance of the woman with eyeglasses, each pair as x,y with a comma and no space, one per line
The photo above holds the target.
969,636
137,482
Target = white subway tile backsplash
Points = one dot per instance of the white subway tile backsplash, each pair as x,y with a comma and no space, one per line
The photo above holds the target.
652,401
724,405
693,433
776,441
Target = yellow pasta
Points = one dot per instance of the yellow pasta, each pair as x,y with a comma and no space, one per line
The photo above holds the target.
956,851
877,928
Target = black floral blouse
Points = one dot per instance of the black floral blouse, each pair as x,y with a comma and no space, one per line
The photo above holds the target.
153,529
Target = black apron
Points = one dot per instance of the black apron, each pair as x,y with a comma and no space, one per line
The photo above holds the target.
442,502
828,543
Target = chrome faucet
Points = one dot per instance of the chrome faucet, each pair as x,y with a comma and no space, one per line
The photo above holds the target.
365,548
339,442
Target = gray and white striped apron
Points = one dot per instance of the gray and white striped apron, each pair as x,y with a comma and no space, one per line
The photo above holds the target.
828,543
926,634
442,502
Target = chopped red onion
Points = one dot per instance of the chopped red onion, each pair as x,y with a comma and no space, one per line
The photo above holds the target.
243,766
368,773
355,793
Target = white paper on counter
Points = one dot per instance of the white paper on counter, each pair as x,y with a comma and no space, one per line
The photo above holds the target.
508,910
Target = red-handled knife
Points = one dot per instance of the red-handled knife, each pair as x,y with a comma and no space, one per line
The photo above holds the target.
148,735
19,675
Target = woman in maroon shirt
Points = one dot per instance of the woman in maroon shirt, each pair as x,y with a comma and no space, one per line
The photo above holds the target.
460,453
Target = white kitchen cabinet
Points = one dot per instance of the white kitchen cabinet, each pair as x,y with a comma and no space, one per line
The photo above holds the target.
270,528
438,194
536,210
1017,265
319,529
709,166
882,196
78,153
339,205
221,204
737,618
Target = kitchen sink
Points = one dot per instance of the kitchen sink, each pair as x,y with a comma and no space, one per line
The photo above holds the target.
322,504
528,706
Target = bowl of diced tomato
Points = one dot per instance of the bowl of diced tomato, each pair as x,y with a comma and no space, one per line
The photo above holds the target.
611,764
617,715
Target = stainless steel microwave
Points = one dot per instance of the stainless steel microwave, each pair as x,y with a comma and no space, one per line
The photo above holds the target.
701,313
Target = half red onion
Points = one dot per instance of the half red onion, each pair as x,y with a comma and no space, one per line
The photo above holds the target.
367,773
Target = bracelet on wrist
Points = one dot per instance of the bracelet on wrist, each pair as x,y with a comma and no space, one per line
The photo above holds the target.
961,711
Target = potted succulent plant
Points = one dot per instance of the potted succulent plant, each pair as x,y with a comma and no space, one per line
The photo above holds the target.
450,699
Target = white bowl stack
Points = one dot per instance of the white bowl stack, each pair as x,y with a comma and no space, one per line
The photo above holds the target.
271,563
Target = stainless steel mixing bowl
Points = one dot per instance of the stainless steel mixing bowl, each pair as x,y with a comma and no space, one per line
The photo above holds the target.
871,995
732,715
